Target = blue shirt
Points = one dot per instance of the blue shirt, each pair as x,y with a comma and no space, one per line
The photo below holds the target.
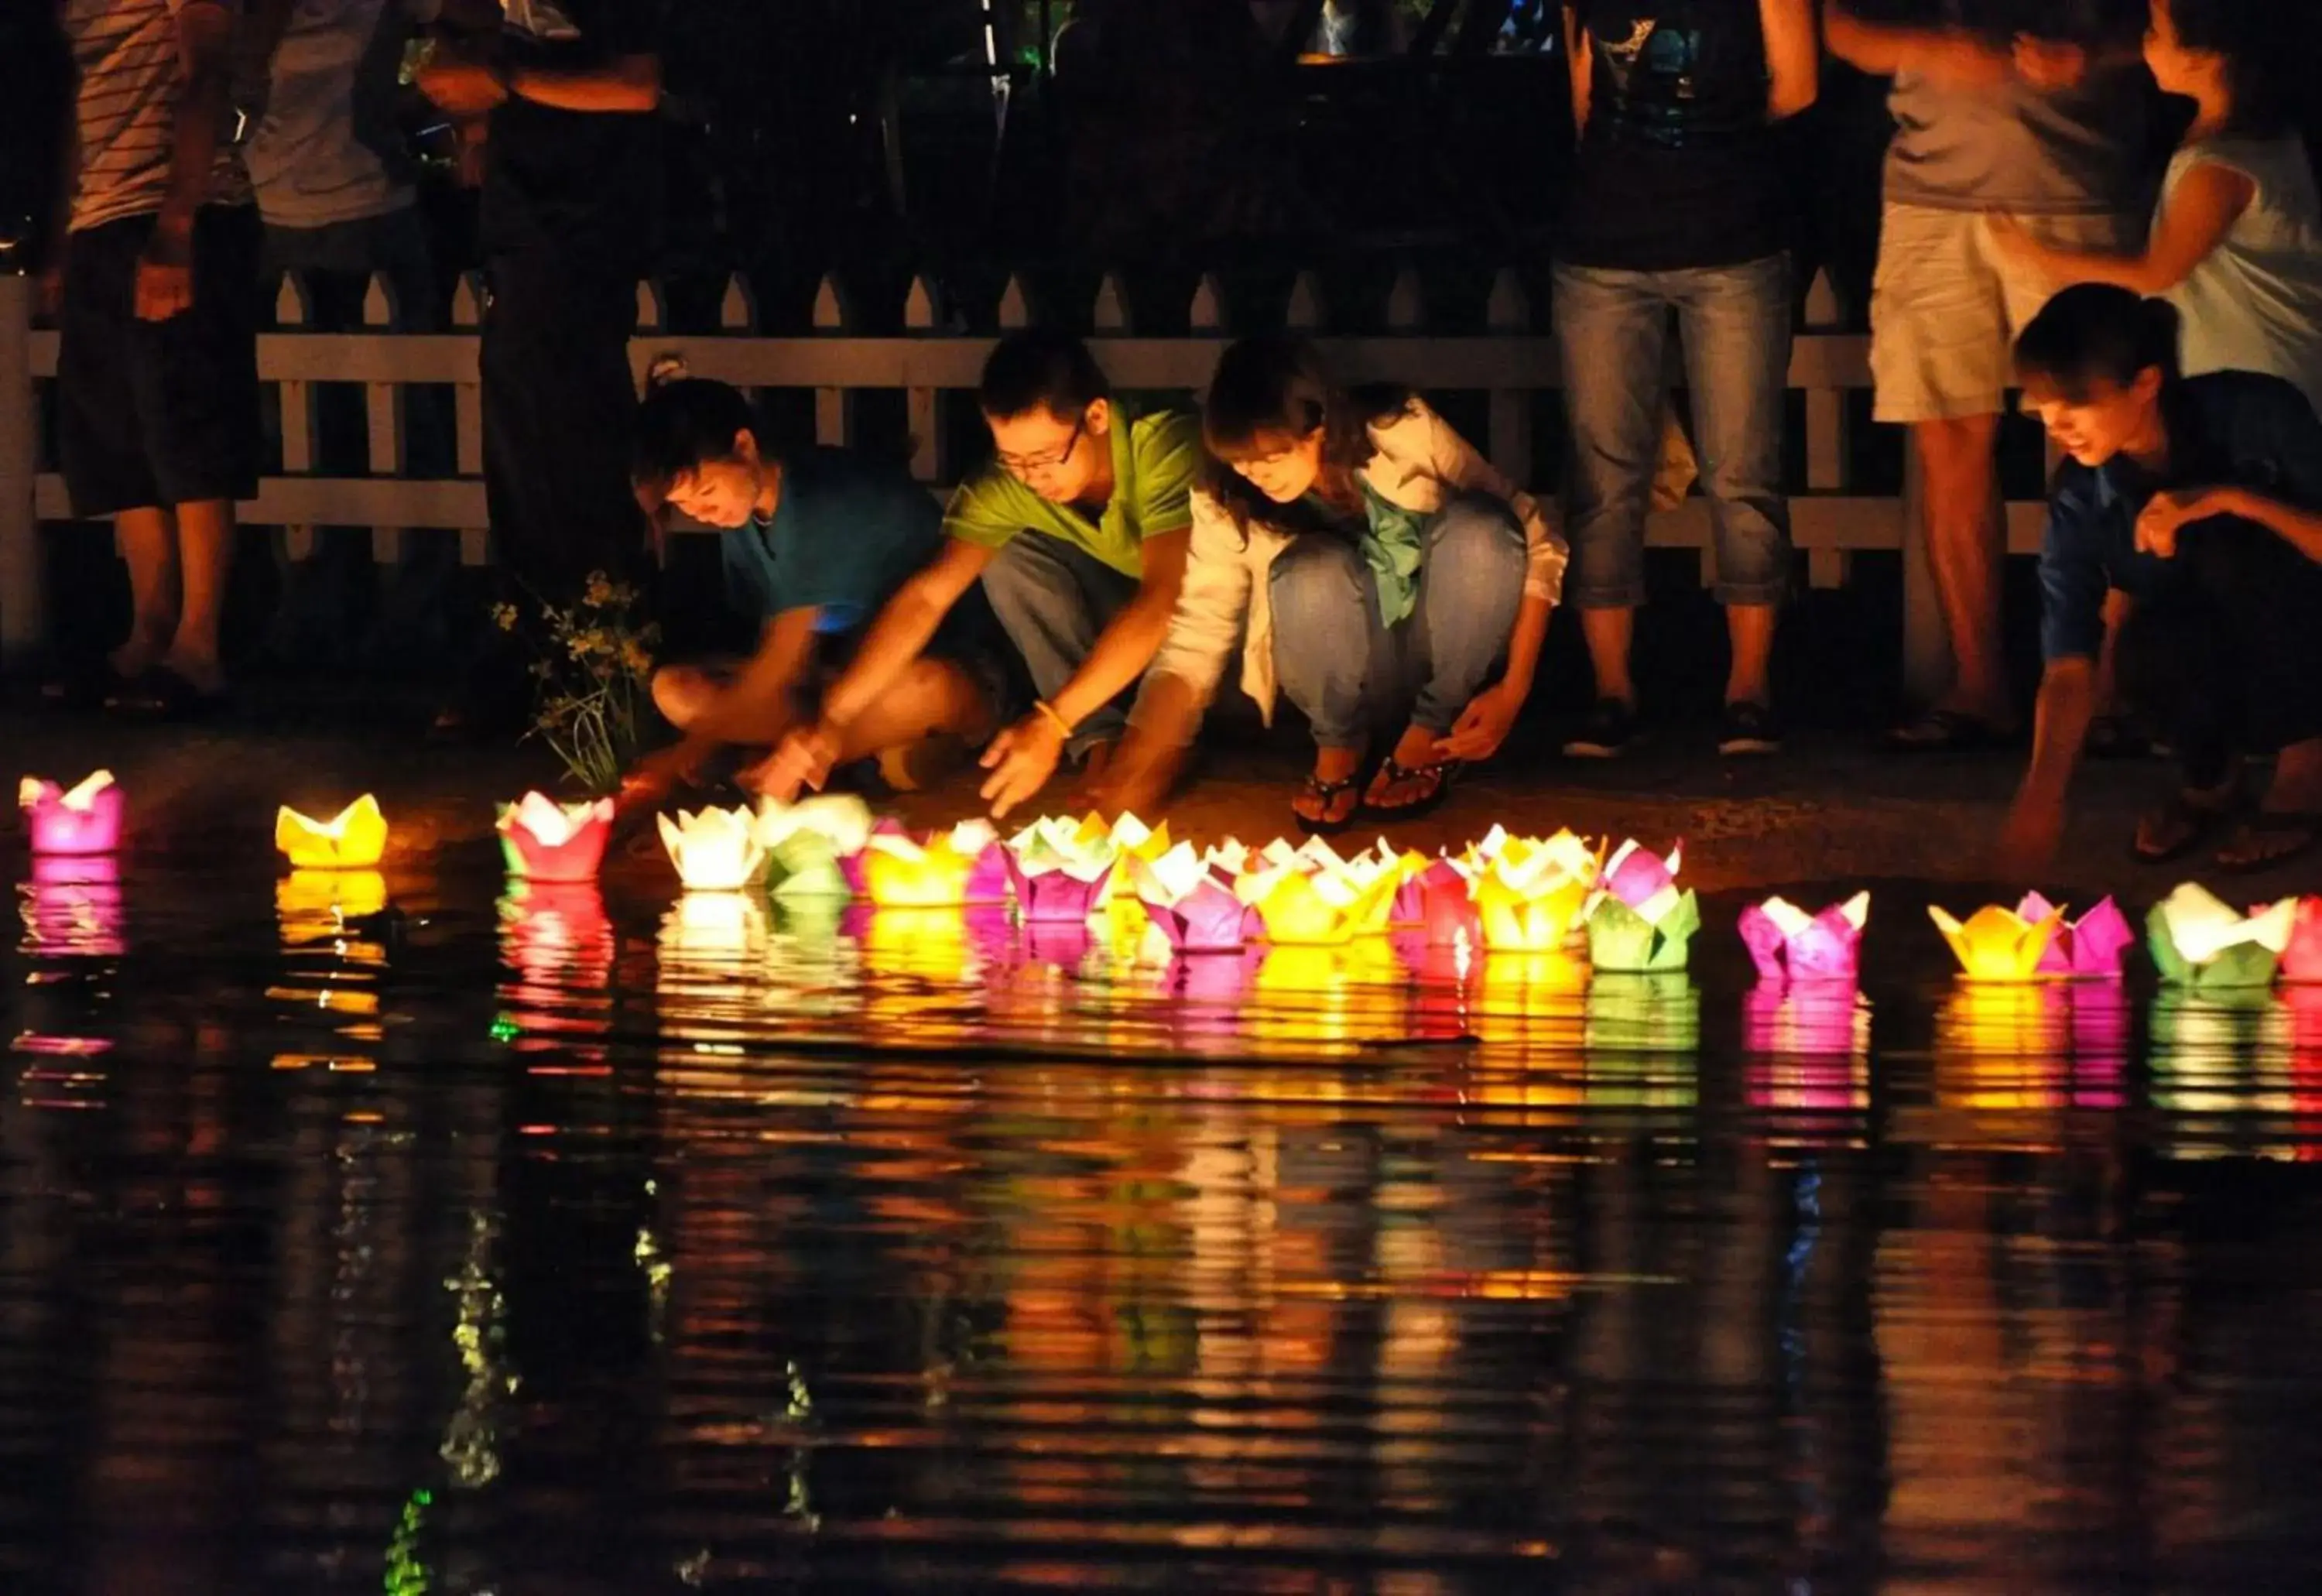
847,531
2228,429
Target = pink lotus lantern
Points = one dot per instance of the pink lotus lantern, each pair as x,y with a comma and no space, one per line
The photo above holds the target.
2089,947
545,841
1190,899
1787,944
2301,960
1060,869
1636,875
1439,897
85,820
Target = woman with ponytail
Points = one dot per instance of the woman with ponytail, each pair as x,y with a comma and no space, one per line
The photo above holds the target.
2200,498
1374,565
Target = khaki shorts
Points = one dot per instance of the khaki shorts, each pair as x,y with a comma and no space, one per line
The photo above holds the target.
1945,311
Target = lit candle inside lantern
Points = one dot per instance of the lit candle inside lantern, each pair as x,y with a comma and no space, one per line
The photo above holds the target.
715,850
543,840
1059,882
2198,942
966,864
352,839
84,819
1308,895
1190,899
1996,943
2089,946
809,843
1787,944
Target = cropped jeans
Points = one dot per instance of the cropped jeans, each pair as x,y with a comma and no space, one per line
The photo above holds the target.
1346,669
1612,331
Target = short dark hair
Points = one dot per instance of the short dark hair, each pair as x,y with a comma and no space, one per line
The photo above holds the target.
2093,330
1040,368
683,425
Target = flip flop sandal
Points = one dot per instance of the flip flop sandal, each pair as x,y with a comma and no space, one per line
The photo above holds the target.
163,694
2296,830
2189,825
1947,731
1327,793
1443,773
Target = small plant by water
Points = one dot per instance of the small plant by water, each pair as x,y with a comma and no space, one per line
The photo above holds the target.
592,681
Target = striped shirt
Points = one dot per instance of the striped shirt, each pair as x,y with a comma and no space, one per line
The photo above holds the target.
125,52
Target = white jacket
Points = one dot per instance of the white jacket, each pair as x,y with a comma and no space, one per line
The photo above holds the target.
1417,462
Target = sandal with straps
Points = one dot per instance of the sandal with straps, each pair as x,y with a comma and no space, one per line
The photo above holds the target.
1325,794
1394,772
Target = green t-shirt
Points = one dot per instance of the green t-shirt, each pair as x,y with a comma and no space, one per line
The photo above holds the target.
1154,458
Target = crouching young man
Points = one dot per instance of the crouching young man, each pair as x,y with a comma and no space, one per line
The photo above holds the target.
1078,530
814,542
2199,500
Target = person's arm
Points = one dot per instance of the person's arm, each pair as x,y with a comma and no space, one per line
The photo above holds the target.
2201,210
1023,756
758,705
165,272
1793,56
627,83
1580,62
2166,514
2073,588
1950,55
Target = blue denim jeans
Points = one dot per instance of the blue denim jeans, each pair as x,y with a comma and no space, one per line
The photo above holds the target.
1612,331
1345,670
1053,598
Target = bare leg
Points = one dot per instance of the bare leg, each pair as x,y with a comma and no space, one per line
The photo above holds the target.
205,546
933,695
1750,627
1955,458
148,543
1608,633
684,693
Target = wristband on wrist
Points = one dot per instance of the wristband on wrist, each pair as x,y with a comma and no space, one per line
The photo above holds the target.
1063,727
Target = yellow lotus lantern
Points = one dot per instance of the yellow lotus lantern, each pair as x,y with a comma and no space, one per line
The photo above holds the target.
352,839
716,850
966,864
1997,944
1531,891
1310,895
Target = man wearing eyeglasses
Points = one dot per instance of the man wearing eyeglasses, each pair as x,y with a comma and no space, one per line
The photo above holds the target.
1078,529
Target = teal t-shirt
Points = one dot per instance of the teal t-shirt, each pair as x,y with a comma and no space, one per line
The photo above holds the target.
1155,458
847,532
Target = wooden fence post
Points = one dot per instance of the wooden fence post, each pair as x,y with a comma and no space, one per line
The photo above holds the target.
832,413
383,412
23,606
922,406
468,416
294,309
1827,436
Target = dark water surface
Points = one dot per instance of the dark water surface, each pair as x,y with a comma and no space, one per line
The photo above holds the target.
535,1245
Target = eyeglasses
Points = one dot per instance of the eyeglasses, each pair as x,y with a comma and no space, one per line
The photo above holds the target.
1028,465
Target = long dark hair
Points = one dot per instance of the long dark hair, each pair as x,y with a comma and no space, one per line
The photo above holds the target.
2097,329
1268,392
2266,46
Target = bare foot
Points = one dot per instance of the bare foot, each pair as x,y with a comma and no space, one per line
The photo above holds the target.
1329,796
202,672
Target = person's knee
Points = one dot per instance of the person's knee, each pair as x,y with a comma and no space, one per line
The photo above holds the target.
1316,573
1478,531
1022,577
1956,446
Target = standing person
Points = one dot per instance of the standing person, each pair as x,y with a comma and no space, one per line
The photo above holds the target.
1372,564
2047,126
1077,529
158,365
814,541
1678,203
336,189
2237,242
571,199
2200,498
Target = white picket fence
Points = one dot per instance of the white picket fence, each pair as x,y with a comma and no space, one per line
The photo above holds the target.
1508,363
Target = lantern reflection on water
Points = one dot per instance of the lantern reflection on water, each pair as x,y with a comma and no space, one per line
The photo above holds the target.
71,908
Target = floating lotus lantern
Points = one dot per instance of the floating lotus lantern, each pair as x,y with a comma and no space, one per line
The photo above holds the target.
1311,897
1996,943
545,841
1191,898
2301,960
1641,922
715,850
84,819
1531,894
1061,869
1787,944
1439,897
966,864
809,843
2088,947
352,839
2200,943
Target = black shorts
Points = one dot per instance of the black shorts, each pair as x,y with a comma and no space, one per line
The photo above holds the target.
153,414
